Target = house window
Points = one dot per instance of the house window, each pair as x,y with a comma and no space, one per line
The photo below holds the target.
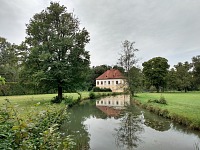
116,82
101,102
104,82
117,102
97,82
112,82
108,82
109,102
101,82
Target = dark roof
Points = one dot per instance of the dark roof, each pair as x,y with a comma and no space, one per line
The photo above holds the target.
111,74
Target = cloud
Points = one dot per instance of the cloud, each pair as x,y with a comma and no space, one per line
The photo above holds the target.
169,29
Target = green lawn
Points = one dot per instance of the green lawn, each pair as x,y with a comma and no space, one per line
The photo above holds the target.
26,103
185,105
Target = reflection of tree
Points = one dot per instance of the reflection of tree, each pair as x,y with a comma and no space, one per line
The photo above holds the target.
75,125
129,130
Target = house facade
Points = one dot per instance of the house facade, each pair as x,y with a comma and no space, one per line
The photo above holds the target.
112,79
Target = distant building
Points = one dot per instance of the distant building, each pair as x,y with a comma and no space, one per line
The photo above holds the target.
112,79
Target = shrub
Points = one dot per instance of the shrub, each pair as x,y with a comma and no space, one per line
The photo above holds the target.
162,100
97,89
38,131
69,101
92,95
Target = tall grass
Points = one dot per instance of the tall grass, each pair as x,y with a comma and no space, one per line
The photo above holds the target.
182,107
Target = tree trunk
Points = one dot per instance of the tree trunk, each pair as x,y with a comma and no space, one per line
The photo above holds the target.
60,92
157,89
185,90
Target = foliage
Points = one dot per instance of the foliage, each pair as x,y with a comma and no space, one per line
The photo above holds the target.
2,80
135,80
8,60
196,70
172,83
155,71
70,101
2,83
92,95
162,100
36,131
181,107
98,89
184,77
121,69
127,60
57,59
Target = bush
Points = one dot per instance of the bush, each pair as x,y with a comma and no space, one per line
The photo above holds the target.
162,100
69,101
92,95
97,89
38,131
56,100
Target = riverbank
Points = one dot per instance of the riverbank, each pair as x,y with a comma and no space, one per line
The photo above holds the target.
23,118
27,103
183,108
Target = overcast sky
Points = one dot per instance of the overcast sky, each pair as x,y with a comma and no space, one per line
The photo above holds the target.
166,28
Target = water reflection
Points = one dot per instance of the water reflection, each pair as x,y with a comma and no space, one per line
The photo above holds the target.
113,123
113,106
129,131
130,125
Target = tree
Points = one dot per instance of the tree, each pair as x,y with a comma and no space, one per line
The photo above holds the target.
8,60
95,72
155,71
196,69
127,60
172,80
184,76
57,58
2,82
121,69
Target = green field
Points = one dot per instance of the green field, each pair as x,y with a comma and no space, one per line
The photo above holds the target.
26,103
179,105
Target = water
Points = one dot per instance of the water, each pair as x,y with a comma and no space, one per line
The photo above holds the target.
113,124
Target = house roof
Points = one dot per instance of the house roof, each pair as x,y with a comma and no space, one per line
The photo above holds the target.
110,111
111,74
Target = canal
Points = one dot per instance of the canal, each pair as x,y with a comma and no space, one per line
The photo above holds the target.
112,123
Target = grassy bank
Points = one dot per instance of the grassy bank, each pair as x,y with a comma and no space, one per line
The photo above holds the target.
181,107
24,103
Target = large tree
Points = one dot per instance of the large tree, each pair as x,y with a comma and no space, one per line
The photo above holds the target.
172,83
155,71
184,76
128,61
196,70
57,58
8,60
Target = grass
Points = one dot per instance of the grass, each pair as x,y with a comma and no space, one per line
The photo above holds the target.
25,103
183,107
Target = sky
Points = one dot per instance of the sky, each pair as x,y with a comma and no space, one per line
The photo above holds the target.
159,28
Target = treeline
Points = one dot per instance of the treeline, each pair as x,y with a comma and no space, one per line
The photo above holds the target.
156,75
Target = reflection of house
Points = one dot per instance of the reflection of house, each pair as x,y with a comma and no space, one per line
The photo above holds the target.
109,111
112,79
112,106
118,101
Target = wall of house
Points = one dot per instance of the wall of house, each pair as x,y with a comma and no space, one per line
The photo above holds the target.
116,85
